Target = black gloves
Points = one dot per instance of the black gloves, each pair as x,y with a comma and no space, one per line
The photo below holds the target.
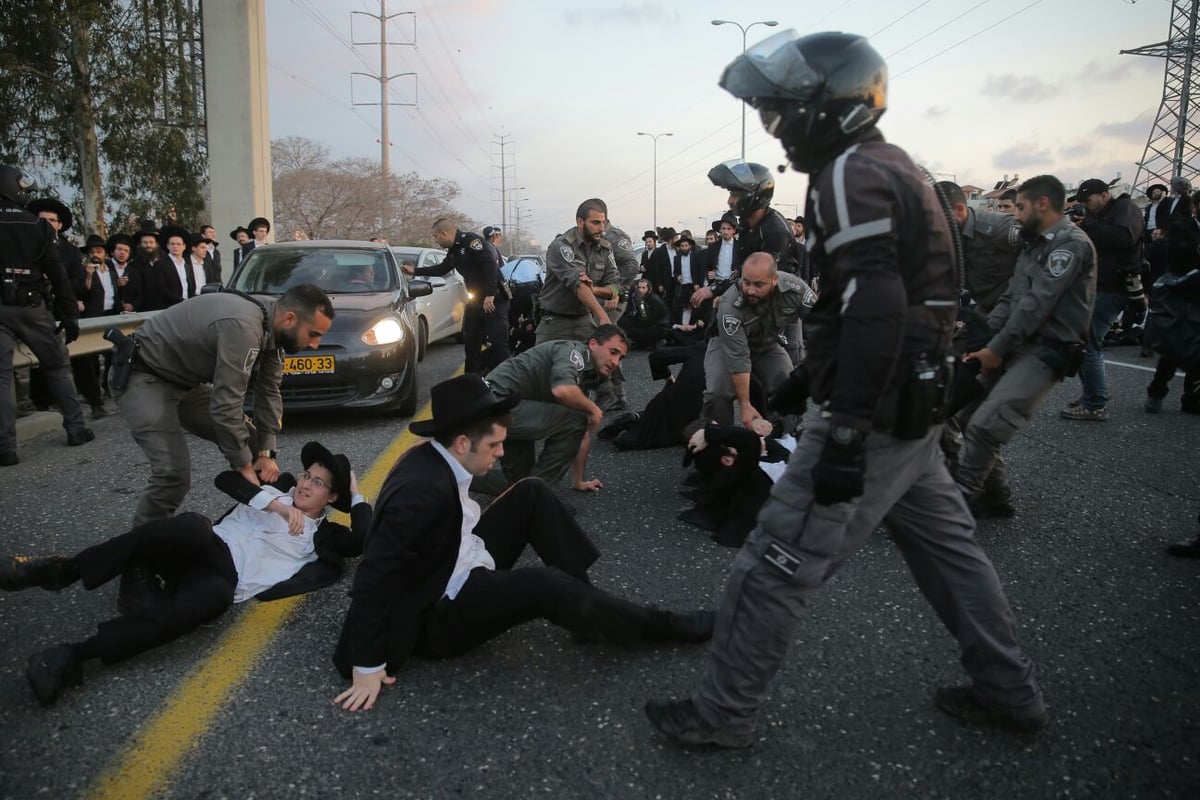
792,395
838,473
71,326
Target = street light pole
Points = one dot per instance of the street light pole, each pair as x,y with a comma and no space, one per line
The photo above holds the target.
655,136
770,23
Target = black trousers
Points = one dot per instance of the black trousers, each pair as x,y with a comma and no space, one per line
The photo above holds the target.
478,326
1163,373
195,565
492,601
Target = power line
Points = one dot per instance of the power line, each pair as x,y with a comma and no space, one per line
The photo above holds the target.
969,38
927,34
911,11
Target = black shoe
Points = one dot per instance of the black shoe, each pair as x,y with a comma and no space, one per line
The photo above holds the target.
22,572
987,506
689,627
961,703
51,670
140,595
80,437
680,722
619,423
9,459
694,516
1186,549
99,411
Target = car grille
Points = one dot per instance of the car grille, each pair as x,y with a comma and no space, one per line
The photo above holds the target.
337,393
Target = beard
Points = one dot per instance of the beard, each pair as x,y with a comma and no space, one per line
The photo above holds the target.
288,341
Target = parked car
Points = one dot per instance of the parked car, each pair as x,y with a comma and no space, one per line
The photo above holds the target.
368,359
440,314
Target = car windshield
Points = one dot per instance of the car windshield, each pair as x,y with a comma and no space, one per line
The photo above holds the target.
274,270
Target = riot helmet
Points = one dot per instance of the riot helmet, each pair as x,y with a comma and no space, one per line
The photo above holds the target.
754,183
15,184
817,94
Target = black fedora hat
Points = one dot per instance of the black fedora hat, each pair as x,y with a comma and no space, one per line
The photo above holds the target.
258,222
93,240
1154,186
459,401
55,205
116,239
196,238
239,229
173,230
338,466
146,228
650,235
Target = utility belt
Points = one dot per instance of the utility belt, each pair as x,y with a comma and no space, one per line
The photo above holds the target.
126,358
18,288
1065,358
548,313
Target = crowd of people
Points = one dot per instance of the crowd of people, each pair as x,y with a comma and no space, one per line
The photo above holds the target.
927,333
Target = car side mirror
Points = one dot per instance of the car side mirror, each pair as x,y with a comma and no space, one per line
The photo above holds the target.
211,288
437,281
419,288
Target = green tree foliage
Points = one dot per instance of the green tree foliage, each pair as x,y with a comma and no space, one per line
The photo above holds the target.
100,97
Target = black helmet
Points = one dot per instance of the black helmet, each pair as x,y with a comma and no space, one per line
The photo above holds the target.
15,184
754,181
817,94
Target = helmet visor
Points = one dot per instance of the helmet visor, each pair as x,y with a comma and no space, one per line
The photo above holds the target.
773,68
734,175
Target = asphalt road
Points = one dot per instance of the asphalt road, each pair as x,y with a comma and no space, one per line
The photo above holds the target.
1110,620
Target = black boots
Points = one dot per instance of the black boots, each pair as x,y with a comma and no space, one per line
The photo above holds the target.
51,670
23,572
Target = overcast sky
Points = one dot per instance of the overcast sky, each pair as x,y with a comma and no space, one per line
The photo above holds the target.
978,89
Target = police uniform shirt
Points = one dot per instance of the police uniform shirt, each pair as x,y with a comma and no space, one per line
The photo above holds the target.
473,259
566,259
1051,294
746,328
535,373
220,339
991,243
29,248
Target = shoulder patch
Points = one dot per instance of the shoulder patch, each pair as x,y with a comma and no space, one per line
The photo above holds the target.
476,244
568,252
577,360
251,357
1058,262
1014,234
624,244
730,324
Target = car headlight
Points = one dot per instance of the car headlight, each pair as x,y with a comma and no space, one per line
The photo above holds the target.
386,331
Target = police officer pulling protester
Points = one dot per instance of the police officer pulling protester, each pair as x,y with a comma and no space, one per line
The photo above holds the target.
581,276
189,368
486,315
1115,227
32,278
990,241
1040,324
877,338
750,321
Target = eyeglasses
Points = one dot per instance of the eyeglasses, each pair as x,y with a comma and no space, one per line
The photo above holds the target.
315,481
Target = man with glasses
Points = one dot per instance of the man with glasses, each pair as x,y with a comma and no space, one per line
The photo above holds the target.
278,541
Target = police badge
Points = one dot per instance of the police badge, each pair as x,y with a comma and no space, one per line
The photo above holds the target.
730,324
1059,262
568,253
577,360
251,357
476,244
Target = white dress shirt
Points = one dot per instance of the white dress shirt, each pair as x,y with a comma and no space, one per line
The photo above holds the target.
472,552
106,280
263,551
181,270
725,259
197,273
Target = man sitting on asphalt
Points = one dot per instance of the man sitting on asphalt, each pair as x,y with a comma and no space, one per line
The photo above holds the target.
552,380
437,577
277,542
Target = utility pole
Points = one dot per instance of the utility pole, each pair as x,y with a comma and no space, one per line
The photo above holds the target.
385,161
503,141
1173,145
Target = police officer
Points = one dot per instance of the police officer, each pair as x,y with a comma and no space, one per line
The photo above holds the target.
29,263
882,321
761,229
486,314
191,372
1040,324
750,320
610,394
553,379
581,275
991,242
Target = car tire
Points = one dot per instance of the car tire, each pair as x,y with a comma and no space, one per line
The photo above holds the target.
407,405
422,338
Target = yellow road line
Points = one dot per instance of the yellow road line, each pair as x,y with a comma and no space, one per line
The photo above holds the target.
148,762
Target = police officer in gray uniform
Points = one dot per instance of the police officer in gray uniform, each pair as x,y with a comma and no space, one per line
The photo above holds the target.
553,379
192,366
752,315
1040,323
29,262
581,275
876,335
991,242
610,394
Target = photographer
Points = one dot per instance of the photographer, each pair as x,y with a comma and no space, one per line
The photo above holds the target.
96,295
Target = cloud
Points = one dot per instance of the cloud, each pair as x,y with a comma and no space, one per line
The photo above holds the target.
1014,87
1134,131
933,112
1118,69
1077,150
1020,158
624,14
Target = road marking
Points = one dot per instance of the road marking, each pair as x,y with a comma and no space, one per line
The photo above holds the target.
147,764
1142,367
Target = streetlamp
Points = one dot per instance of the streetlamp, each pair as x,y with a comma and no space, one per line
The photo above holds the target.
770,23
655,136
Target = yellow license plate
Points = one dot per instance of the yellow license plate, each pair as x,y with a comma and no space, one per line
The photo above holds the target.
308,365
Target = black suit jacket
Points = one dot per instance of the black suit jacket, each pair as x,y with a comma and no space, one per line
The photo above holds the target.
1164,216
212,265
408,558
158,285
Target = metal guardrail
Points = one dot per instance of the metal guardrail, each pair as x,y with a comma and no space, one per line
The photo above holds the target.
91,336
